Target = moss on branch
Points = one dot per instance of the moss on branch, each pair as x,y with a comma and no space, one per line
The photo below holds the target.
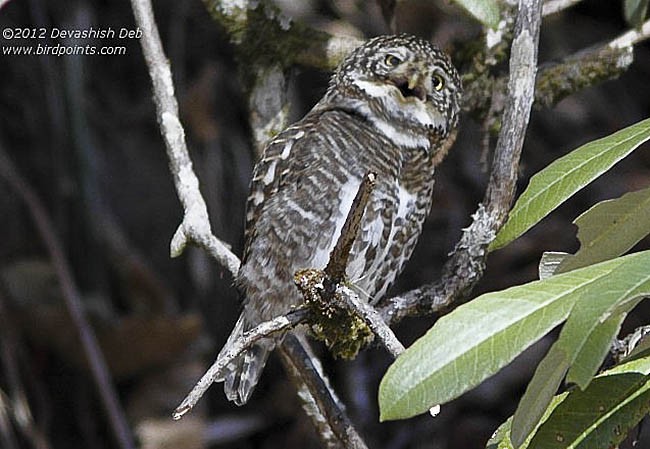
343,331
264,36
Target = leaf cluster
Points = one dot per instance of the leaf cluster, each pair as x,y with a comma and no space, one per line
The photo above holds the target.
591,291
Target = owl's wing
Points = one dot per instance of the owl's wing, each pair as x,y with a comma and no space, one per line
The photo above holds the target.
282,162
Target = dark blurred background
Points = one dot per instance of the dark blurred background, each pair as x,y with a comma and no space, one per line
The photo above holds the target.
82,132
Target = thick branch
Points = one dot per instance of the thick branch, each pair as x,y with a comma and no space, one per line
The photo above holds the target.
556,81
268,108
328,414
467,263
584,69
265,37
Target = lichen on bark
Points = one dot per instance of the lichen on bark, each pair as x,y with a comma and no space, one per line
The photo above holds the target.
343,331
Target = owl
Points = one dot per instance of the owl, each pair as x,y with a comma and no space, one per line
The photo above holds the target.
391,108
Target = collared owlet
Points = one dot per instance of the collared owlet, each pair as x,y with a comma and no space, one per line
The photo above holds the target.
391,108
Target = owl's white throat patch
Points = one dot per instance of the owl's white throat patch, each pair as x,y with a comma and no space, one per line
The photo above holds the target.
413,111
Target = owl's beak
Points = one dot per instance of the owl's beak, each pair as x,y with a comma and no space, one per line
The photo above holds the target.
413,81
412,86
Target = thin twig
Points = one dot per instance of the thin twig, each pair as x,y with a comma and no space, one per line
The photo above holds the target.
554,6
73,302
374,320
467,263
195,226
632,37
338,260
626,346
325,291
263,330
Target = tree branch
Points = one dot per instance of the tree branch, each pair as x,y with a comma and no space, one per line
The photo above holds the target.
632,37
320,401
372,318
555,6
339,317
268,110
556,81
195,226
338,261
263,330
625,347
265,37
467,263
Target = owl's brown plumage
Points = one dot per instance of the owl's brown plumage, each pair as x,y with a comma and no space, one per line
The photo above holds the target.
391,108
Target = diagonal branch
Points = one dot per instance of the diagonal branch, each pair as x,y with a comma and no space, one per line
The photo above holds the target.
328,413
248,339
195,227
373,319
338,261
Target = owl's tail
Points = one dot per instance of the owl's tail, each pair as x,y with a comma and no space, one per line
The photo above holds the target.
242,374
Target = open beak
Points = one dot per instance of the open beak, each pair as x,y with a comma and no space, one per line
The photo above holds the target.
411,87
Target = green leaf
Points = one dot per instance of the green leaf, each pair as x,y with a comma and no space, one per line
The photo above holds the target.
573,416
610,229
587,334
587,328
485,11
600,416
564,177
591,355
478,338
501,438
539,393
635,12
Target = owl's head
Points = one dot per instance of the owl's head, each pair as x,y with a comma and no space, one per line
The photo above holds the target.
407,87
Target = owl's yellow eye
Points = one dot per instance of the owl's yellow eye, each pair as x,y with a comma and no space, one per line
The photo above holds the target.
392,60
438,82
